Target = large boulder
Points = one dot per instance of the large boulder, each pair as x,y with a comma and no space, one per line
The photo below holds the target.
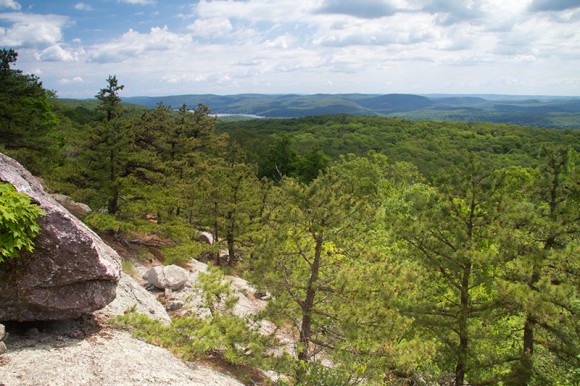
71,271
167,277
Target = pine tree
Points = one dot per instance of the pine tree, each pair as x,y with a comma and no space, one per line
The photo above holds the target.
542,281
109,146
307,251
26,117
452,234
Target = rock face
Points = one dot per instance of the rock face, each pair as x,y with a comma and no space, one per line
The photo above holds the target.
78,209
132,296
71,271
168,276
108,357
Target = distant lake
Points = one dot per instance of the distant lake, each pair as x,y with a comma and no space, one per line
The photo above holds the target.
220,115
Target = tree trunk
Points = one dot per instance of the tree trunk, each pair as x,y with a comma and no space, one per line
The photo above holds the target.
231,250
308,304
462,350
113,204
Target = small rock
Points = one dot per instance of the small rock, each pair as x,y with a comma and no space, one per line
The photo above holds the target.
132,296
263,295
173,305
2,331
169,276
206,237
3,348
78,209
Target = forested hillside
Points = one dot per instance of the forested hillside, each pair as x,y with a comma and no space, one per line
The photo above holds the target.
431,146
554,112
397,251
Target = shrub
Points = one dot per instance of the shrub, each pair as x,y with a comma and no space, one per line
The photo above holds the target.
18,222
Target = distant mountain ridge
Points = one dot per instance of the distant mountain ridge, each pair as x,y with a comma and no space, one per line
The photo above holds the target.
540,111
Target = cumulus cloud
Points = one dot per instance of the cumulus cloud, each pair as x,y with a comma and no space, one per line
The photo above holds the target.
138,2
83,7
455,11
282,11
10,4
56,53
133,44
366,9
28,30
211,28
76,79
302,45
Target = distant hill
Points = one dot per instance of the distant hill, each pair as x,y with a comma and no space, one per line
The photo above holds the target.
539,111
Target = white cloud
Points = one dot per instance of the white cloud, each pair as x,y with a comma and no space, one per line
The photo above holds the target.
56,53
133,45
76,79
10,4
284,11
138,2
211,28
225,46
29,30
83,7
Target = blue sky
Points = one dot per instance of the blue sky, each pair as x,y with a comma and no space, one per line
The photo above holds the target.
168,47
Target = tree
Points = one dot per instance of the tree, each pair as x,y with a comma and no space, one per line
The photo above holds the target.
110,100
26,117
280,161
227,202
109,146
452,234
542,281
310,242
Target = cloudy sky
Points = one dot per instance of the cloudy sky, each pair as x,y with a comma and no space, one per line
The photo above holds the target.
167,47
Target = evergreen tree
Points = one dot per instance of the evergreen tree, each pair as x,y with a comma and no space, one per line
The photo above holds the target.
108,147
26,117
309,245
543,282
228,202
452,234
110,100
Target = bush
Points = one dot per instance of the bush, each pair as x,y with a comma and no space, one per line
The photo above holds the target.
18,222
105,222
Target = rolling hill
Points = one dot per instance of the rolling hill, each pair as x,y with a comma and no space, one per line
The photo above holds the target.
539,111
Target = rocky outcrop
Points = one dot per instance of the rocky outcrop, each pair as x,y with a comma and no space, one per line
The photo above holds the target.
108,357
78,209
131,296
167,277
191,297
71,271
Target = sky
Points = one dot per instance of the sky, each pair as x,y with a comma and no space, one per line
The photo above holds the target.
173,47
